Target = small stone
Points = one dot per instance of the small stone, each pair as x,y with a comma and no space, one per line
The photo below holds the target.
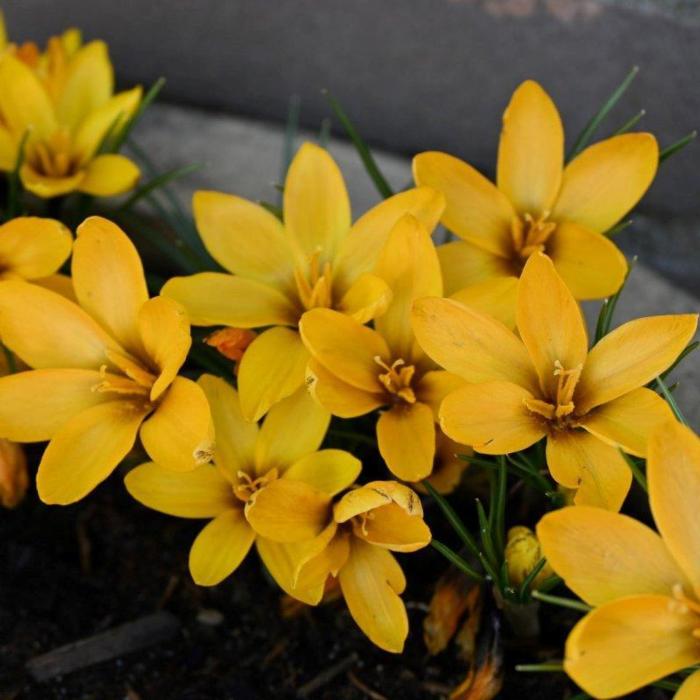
210,617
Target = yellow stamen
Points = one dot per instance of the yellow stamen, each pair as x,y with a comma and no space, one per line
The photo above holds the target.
397,379
248,486
315,288
114,384
562,404
530,234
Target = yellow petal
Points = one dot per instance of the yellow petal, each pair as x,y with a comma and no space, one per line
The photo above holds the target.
3,32
108,175
330,471
376,494
61,284
32,247
550,323
178,434
316,204
220,548
434,386
344,347
86,450
315,567
579,460
35,405
690,689
631,356
391,527
605,181
449,465
272,368
628,422
673,469
410,266
47,187
406,440
472,345
493,297
88,84
109,281
628,643
235,437
359,251
341,399
216,298
367,298
531,150
603,556
591,265
371,581
491,417
243,237
288,511
24,103
165,335
8,150
201,493
293,428
46,330
476,211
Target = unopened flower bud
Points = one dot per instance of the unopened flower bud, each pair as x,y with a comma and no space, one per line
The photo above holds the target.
523,553
14,478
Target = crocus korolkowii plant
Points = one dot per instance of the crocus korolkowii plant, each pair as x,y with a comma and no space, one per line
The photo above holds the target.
538,204
546,383
269,485
645,586
278,270
104,370
355,369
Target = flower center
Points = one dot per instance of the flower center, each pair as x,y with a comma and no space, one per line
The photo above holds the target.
52,157
116,384
560,409
530,234
685,606
248,486
315,286
397,378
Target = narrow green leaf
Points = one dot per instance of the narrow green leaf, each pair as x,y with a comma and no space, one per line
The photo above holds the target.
637,473
324,135
547,667
661,385
9,358
524,592
690,348
499,534
455,559
674,148
607,309
157,183
569,603
291,131
145,103
631,123
487,537
619,227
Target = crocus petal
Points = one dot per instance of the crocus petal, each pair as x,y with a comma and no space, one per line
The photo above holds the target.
406,440
360,250
216,298
376,494
367,298
580,460
434,386
631,356
550,323
201,493
178,434
605,181
531,150
47,187
491,417
410,266
293,428
8,150
316,204
314,567
344,347
32,247
591,265
464,265
85,451
603,556
472,345
61,335
220,548
493,297
338,397
371,582
34,405
476,211
673,469
235,437
272,368
288,511
61,284
628,422
89,82
330,471
108,175
243,237
628,643
391,527
109,281
164,330
690,689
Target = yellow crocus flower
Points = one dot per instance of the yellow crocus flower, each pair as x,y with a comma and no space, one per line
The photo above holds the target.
105,369
355,369
64,117
269,484
547,383
645,586
315,259
537,204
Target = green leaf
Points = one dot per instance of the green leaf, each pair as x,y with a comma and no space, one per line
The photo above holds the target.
676,147
630,123
290,136
524,592
607,309
690,348
661,385
145,103
455,559
157,183
569,603
637,472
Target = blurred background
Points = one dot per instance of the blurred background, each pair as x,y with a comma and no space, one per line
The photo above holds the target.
412,75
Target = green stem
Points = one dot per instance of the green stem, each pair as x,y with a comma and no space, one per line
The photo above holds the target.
578,605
